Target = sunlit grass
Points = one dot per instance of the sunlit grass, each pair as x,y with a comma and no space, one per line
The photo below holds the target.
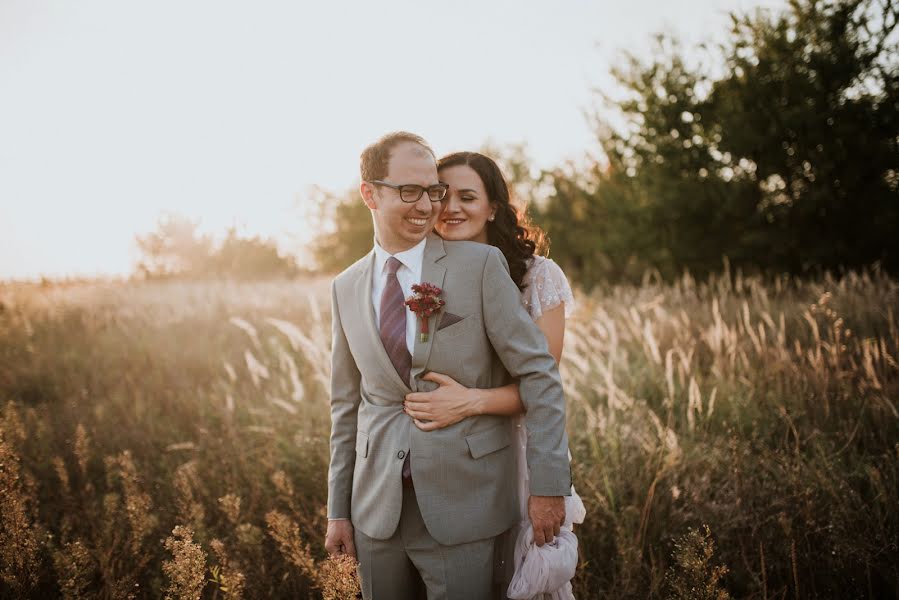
763,410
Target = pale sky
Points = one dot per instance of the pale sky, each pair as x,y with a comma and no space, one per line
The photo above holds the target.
114,112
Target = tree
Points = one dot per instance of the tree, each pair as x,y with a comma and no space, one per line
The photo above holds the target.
788,161
250,258
345,230
810,101
176,249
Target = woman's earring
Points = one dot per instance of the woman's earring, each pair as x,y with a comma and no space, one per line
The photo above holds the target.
491,217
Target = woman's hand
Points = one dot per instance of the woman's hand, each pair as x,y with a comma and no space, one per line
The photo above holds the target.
448,404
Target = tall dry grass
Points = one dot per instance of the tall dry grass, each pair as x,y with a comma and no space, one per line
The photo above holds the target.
731,438
765,411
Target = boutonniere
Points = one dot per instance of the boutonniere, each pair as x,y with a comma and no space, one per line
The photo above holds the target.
424,302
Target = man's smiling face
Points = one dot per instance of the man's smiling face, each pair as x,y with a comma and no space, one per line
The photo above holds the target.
400,225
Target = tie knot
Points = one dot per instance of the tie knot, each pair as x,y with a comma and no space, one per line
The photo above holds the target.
393,265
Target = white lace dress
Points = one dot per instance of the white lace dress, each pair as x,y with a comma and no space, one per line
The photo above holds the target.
543,573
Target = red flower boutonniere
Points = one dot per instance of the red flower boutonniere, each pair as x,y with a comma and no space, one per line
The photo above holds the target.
424,302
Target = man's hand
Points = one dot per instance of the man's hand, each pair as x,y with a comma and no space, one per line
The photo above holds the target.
339,539
547,514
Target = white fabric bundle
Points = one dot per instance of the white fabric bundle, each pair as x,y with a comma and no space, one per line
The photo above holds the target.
544,573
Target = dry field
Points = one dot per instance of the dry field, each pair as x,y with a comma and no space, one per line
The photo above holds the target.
731,438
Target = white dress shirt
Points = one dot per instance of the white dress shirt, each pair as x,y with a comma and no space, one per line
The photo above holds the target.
407,274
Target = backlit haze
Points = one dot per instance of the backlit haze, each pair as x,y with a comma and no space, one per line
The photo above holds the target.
113,113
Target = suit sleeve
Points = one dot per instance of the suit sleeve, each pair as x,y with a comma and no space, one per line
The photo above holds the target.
345,398
522,348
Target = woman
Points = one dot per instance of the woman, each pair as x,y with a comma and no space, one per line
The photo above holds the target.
477,208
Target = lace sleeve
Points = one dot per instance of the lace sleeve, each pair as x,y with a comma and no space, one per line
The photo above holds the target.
547,288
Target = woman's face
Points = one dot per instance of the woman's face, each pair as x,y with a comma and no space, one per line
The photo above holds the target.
466,208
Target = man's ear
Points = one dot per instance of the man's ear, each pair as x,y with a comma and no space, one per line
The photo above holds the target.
367,191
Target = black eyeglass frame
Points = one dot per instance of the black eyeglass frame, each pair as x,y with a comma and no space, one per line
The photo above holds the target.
421,190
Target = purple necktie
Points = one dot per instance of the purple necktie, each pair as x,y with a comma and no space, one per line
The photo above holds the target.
393,322
393,331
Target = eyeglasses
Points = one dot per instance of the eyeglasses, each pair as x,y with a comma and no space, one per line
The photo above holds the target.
410,192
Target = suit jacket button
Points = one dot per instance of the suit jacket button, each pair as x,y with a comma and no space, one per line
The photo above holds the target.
401,454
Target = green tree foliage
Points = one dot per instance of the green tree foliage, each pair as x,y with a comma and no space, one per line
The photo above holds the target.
811,101
177,249
250,258
788,161
778,153
345,230
595,236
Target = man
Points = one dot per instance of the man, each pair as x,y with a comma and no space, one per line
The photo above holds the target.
401,499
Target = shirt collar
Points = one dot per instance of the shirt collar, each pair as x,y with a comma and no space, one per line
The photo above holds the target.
411,258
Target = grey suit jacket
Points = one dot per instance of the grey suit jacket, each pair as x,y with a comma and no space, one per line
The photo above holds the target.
465,474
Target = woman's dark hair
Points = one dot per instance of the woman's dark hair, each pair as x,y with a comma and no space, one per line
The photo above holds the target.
509,231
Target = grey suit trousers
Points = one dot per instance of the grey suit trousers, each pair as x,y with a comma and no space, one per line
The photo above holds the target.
389,569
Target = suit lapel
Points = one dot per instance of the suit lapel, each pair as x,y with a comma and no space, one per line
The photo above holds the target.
367,317
434,273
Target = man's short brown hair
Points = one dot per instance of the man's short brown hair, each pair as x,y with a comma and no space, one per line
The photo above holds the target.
374,159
